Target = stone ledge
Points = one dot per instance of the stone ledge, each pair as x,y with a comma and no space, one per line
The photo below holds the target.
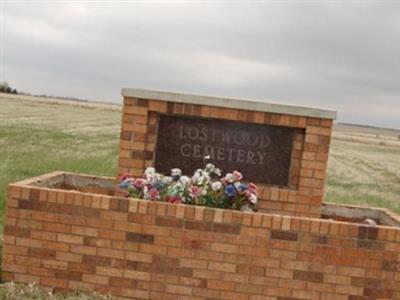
247,104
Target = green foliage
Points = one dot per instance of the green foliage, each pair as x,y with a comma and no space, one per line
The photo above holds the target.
5,88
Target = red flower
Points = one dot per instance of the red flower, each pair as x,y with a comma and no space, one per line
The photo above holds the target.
154,193
122,177
174,199
139,183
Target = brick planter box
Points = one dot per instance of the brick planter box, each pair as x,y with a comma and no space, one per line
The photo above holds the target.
68,231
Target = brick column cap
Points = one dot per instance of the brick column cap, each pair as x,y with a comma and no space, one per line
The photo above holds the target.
246,104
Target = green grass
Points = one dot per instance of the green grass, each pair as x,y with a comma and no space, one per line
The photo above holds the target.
36,138
28,152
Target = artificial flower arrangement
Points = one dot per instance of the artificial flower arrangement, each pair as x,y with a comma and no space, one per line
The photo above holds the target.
206,188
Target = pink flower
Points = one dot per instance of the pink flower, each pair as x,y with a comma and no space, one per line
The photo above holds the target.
247,194
139,183
252,188
236,176
250,197
195,191
174,199
154,194
227,179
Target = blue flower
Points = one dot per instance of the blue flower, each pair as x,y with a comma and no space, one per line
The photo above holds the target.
159,185
125,184
230,191
242,187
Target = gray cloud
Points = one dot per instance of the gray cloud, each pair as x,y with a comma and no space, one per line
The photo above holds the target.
337,55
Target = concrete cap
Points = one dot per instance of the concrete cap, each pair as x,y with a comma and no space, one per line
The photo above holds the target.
247,104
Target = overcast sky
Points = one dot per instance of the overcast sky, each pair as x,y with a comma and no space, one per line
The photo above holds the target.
344,56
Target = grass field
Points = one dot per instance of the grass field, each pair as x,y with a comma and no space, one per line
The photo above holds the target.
38,137
364,167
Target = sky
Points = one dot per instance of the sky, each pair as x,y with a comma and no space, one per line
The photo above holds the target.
330,54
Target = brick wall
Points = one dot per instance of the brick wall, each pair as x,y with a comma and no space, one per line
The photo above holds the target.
303,196
152,250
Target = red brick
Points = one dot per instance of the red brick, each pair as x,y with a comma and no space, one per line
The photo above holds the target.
227,228
70,239
308,276
85,231
197,225
224,267
169,222
83,249
14,268
220,285
97,279
140,238
113,253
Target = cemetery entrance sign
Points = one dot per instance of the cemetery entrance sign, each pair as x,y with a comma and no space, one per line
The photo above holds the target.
281,148
262,152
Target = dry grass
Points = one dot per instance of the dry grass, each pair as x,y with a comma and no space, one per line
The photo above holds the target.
11,291
364,167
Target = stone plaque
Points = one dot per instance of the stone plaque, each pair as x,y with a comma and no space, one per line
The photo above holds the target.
261,152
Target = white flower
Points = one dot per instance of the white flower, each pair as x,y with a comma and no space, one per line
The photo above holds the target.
229,177
200,177
167,180
207,157
184,181
150,171
253,199
217,185
176,172
210,167
151,175
237,185
197,174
